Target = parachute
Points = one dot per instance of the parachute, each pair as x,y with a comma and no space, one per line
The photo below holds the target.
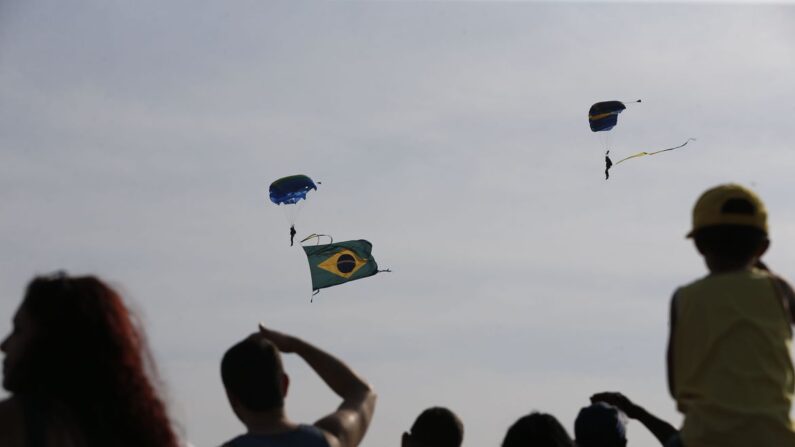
290,192
603,116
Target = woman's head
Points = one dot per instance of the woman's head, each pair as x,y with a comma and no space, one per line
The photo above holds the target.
17,348
74,342
68,332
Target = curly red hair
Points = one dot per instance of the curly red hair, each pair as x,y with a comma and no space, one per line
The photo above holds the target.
91,359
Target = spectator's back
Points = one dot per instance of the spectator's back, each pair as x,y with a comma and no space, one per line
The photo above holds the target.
729,364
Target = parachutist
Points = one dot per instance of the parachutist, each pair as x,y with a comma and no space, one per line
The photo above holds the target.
288,191
608,164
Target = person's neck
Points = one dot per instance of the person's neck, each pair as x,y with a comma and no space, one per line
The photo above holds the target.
268,422
718,266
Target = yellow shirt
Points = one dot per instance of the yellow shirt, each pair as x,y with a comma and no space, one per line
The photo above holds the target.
733,373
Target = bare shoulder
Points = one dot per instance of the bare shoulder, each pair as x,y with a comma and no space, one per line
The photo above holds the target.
11,422
331,440
347,426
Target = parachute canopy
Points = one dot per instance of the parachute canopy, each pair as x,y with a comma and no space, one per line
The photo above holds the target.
603,116
292,189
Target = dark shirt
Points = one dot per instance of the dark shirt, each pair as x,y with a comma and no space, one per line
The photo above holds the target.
303,436
35,422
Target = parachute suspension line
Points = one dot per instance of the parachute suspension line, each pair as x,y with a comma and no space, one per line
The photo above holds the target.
317,236
293,211
385,270
312,298
605,137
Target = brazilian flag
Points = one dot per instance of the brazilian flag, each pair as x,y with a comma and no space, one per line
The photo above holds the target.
338,263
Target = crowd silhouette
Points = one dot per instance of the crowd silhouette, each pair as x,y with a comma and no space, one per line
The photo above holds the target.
80,374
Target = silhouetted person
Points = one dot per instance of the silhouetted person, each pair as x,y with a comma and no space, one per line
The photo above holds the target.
600,425
537,430
661,430
292,234
78,371
729,364
256,385
608,165
435,427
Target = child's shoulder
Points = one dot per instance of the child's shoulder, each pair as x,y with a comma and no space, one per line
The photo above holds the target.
735,282
745,275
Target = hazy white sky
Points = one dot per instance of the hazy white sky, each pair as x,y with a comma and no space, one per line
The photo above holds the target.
137,142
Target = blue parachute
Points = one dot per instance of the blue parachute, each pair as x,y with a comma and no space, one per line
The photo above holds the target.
290,190
288,193
603,116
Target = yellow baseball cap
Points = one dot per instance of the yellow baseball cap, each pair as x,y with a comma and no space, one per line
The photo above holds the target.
729,204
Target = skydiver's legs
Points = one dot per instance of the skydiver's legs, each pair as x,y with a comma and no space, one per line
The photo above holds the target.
292,234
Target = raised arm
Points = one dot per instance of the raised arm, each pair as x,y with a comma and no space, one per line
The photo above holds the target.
784,290
658,427
348,424
670,353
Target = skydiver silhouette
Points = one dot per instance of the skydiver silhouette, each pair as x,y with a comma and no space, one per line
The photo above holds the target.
608,164
292,234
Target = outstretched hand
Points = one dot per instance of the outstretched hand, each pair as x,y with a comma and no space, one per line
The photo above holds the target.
619,401
661,430
285,343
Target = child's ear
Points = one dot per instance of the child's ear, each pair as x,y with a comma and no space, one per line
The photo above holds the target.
699,247
285,384
235,403
763,248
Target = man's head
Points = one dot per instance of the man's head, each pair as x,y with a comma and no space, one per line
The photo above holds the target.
730,225
253,376
600,425
435,427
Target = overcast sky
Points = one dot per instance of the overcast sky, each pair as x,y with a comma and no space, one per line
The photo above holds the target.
138,140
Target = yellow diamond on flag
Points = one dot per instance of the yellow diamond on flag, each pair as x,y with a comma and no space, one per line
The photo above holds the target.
344,263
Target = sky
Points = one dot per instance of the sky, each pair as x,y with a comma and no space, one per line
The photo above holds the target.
138,140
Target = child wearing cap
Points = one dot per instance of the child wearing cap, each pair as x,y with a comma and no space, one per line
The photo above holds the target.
729,364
